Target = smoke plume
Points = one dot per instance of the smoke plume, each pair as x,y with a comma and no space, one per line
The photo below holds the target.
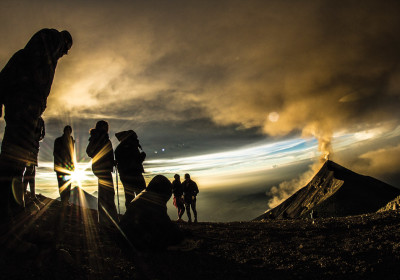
278,194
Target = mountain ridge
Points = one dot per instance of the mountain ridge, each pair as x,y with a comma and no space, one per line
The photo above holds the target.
335,191
82,198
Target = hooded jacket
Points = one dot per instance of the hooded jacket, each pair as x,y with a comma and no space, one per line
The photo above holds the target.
146,223
64,154
26,79
190,189
128,157
101,151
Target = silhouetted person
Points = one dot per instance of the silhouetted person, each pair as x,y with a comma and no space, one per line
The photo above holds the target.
101,151
190,191
146,223
25,84
130,156
30,170
64,166
177,190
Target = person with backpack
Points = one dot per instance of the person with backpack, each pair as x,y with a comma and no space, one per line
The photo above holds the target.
25,84
64,155
129,156
190,191
101,151
177,190
30,170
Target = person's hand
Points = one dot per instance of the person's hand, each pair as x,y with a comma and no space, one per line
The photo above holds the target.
193,197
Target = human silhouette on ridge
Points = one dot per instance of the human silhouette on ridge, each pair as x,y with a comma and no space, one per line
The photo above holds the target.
25,84
129,157
64,154
177,190
101,151
190,191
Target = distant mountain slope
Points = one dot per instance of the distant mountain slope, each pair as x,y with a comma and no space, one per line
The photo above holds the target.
82,198
335,192
392,205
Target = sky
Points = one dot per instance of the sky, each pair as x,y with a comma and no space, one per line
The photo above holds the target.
246,96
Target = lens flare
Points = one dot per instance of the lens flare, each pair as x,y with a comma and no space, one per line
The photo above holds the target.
78,176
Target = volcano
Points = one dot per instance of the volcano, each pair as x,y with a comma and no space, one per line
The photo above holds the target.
82,198
335,191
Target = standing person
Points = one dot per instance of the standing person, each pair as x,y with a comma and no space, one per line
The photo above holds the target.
64,155
30,170
129,156
177,190
25,84
101,151
190,191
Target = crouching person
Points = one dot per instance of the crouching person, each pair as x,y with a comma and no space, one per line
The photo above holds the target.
146,223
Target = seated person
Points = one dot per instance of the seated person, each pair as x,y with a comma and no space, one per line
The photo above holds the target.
146,223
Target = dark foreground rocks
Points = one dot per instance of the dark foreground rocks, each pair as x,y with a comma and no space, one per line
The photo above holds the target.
69,245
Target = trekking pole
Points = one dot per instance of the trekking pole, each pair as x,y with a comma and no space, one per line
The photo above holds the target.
116,178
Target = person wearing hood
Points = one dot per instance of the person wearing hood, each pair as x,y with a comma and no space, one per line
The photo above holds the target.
146,224
64,154
25,84
129,157
101,151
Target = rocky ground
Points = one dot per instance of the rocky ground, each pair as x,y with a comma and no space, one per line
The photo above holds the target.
56,244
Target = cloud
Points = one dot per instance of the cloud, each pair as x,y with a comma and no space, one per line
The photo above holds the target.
381,162
278,194
320,66
191,75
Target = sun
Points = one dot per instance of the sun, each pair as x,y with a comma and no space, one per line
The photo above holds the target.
79,174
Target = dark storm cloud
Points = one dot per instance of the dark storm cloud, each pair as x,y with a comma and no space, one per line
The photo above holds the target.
159,139
280,66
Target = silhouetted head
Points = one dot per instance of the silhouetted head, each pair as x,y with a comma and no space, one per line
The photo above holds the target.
49,43
102,125
187,176
67,42
124,135
177,177
161,186
67,130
